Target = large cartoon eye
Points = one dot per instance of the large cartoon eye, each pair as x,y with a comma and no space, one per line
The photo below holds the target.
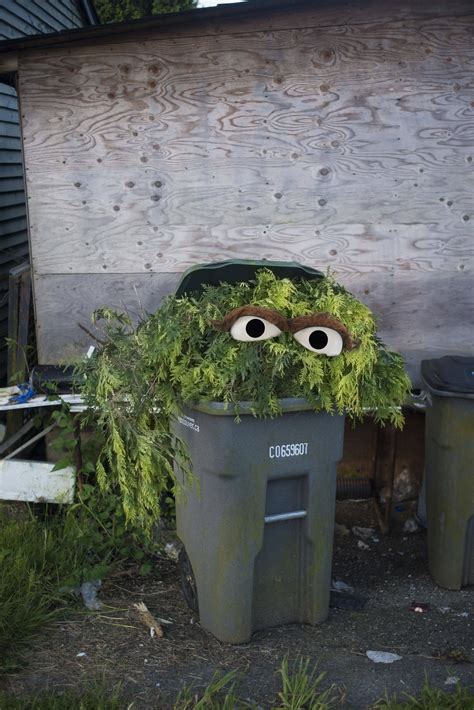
250,328
324,341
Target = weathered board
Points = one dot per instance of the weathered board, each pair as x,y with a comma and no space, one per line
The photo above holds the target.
36,482
348,146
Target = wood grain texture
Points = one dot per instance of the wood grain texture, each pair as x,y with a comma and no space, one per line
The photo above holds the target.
421,317
64,301
270,15
343,145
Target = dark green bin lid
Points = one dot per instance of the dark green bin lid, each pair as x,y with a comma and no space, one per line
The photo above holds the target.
449,376
238,270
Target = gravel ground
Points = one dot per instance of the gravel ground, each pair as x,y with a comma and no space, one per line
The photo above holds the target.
390,574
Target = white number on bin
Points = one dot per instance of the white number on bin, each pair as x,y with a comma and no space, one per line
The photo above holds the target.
281,451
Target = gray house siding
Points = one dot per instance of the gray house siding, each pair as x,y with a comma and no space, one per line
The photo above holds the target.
17,19
13,231
29,17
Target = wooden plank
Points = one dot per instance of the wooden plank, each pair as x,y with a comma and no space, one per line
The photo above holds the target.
259,18
13,307
410,310
284,93
390,248
60,339
24,314
322,174
36,482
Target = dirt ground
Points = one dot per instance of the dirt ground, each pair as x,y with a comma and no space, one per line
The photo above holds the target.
392,573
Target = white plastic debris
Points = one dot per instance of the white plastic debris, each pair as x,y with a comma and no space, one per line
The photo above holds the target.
383,656
452,680
410,526
339,586
172,550
81,654
362,545
89,591
364,533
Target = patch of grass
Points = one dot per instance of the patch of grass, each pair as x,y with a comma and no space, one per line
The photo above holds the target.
301,688
35,560
44,556
431,699
218,695
40,559
95,697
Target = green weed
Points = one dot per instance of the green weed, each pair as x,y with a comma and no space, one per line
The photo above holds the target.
301,688
44,559
218,695
35,560
430,699
95,697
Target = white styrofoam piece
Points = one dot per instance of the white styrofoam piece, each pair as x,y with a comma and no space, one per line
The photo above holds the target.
36,482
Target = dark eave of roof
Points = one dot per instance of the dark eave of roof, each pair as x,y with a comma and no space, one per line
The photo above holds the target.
175,19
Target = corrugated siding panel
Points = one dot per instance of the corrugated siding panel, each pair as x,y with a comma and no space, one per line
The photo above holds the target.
30,17
13,232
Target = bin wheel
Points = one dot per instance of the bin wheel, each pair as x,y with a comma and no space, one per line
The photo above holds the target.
188,581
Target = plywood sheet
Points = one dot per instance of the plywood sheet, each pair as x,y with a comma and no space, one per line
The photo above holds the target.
64,301
345,140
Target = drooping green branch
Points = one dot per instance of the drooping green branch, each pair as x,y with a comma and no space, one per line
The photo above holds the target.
137,381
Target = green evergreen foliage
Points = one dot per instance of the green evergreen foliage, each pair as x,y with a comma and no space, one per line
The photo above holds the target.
122,10
137,381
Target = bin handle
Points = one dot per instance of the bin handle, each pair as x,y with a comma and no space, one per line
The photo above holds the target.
294,515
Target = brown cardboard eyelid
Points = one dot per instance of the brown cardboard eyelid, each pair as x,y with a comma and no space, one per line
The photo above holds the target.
291,325
325,321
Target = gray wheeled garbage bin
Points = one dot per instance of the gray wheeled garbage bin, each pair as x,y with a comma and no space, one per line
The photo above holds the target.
258,523
449,469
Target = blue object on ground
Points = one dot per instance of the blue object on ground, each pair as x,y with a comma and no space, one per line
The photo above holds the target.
26,393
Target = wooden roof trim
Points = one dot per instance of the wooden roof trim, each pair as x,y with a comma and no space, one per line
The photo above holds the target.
204,20
175,20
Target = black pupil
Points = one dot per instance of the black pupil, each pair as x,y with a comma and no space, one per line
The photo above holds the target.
318,339
255,328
